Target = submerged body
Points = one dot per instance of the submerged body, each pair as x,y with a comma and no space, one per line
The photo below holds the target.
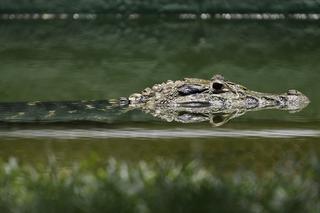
60,111
187,100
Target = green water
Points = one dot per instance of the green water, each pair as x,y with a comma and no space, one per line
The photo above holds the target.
108,58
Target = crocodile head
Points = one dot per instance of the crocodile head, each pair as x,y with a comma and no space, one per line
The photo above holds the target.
189,92
191,99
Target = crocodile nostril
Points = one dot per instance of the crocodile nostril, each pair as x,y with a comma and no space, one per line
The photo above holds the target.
217,86
293,92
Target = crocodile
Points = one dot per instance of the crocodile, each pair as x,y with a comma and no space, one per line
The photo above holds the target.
189,100
217,100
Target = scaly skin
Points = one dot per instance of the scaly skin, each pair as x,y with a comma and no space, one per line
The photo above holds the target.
188,100
194,100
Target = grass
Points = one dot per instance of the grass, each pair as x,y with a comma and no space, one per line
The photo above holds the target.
164,186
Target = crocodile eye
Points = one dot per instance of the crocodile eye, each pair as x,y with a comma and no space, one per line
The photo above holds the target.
217,86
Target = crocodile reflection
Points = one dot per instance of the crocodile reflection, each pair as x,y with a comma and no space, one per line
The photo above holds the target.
189,100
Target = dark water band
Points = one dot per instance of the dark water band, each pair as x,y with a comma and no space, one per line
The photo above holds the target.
159,6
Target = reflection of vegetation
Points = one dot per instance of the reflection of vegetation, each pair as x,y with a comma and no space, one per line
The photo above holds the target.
154,187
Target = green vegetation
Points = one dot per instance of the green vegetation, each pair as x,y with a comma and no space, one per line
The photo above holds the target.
162,186
158,6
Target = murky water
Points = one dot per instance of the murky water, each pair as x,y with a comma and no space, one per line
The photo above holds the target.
57,60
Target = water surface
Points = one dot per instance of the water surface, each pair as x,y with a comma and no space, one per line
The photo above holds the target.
52,60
